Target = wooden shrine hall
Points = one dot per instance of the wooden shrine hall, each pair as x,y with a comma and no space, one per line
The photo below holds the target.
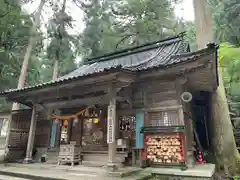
124,108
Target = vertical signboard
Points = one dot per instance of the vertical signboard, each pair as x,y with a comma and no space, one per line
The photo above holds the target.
111,124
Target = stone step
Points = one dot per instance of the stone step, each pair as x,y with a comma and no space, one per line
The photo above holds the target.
102,157
138,177
5,177
85,173
126,172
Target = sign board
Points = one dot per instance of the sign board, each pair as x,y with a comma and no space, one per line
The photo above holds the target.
110,125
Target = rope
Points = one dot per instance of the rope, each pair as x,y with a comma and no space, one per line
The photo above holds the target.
70,117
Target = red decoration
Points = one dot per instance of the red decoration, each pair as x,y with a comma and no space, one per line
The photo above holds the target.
181,159
65,124
200,158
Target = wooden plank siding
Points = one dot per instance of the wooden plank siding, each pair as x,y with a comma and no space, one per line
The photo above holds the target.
154,94
43,131
20,125
18,136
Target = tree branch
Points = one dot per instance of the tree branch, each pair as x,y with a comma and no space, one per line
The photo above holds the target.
123,39
2,16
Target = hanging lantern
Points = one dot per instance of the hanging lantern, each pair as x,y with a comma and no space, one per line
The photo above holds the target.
65,124
75,121
96,121
87,113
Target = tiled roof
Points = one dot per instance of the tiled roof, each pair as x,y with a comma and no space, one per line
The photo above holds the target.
158,54
140,58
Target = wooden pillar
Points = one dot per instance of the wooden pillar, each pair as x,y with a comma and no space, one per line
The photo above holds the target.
111,132
58,130
185,113
31,135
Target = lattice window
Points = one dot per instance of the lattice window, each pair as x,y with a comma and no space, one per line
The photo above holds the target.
164,118
127,128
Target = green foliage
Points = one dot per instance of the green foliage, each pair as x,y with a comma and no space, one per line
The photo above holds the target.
98,36
14,35
118,24
190,29
143,21
229,61
226,18
61,44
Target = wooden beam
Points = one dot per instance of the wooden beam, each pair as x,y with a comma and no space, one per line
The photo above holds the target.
126,77
79,102
103,100
82,81
72,97
67,93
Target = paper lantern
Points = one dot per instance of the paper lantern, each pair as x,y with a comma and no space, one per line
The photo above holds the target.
96,121
75,121
65,124
87,113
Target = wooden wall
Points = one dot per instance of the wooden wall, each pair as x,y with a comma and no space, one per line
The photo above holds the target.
43,131
20,125
154,93
18,136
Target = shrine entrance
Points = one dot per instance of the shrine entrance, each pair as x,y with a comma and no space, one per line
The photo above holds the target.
95,131
88,130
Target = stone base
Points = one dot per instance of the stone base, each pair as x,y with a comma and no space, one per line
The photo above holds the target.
198,172
112,167
27,161
162,177
40,152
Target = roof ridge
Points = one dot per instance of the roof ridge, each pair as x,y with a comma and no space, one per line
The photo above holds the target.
208,48
133,50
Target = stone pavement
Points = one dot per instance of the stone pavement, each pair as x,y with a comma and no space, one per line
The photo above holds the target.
39,171
45,171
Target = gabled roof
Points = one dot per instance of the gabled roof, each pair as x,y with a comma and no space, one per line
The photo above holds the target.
160,54
134,59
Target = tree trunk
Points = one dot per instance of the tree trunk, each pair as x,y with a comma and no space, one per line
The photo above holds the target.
223,140
31,43
55,70
57,59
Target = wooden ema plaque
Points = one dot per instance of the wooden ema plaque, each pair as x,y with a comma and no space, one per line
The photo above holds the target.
165,149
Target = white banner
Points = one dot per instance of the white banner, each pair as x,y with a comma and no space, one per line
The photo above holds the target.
111,125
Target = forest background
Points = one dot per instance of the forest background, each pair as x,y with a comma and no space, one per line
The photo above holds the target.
41,40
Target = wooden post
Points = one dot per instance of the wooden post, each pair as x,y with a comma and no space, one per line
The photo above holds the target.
31,136
185,113
111,131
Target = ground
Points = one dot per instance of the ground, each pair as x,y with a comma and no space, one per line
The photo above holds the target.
54,172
